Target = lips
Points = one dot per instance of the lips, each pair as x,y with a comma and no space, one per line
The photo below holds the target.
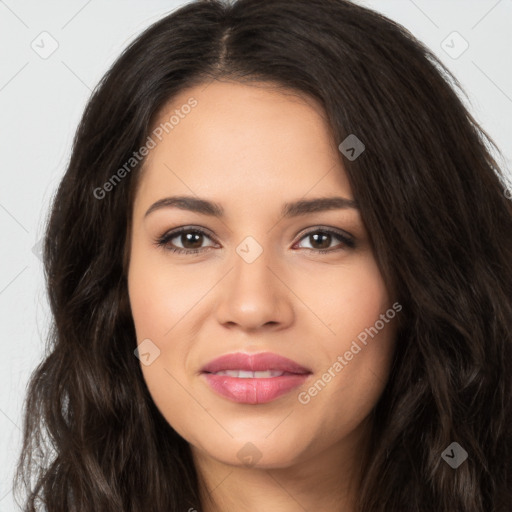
254,363
254,378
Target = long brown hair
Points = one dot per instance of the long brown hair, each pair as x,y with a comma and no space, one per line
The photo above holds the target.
430,194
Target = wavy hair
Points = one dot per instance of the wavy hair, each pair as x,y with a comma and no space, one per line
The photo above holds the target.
431,195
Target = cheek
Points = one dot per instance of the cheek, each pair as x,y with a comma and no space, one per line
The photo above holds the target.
366,299
160,296
162,303
165,375
358,357
346,299
368,343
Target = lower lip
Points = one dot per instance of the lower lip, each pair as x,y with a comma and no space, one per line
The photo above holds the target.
254,391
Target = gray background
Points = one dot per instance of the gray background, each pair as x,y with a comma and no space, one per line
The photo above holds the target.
42,99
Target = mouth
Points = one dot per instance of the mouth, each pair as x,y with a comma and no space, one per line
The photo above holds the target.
253,378
246,374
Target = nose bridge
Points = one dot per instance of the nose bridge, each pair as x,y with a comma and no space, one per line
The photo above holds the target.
252,279
251,266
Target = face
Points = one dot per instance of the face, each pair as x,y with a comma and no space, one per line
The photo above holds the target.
251,265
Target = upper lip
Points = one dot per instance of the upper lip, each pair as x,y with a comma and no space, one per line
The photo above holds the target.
254,362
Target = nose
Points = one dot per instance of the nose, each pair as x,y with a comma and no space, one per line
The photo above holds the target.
255,295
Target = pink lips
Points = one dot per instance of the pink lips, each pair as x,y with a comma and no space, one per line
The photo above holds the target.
254,390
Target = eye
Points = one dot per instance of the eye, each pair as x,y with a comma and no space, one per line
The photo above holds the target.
324,237
192,240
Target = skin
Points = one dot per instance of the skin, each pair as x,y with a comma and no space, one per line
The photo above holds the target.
250,148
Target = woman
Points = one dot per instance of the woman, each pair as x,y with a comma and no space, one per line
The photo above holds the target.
203,357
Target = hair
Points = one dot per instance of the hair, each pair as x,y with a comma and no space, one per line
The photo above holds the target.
431,196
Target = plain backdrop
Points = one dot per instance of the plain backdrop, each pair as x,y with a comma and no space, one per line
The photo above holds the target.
42,97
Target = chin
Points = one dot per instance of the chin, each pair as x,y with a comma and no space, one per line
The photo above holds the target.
255,452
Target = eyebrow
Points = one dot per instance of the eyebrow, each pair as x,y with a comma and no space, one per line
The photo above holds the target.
294,209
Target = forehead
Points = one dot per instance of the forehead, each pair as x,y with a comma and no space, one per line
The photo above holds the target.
243,140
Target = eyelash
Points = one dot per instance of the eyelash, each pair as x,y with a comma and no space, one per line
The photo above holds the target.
163,241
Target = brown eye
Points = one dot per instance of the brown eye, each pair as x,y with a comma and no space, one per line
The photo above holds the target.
321,240
191,240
